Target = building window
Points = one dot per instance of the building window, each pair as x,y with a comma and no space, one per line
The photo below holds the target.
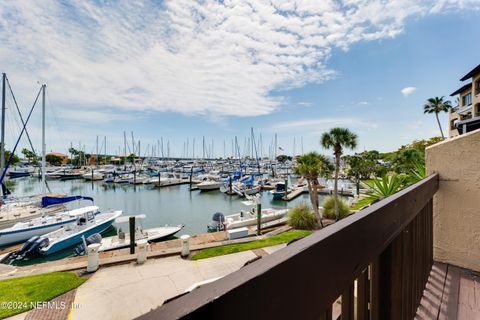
477,87
467,99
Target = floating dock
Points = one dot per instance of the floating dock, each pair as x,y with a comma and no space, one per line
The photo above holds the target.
297,192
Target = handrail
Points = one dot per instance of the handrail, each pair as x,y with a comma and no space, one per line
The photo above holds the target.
305,278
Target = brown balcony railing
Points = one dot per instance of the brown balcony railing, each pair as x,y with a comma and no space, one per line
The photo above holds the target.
377,260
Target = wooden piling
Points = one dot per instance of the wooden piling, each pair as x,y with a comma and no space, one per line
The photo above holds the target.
131,223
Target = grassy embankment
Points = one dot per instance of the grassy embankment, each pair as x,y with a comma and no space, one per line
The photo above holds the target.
233,248
17,295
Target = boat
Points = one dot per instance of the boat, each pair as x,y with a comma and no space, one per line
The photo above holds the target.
85,225
249,218
122,239
209,184
279,192
244,219
22,231
18,173
93,176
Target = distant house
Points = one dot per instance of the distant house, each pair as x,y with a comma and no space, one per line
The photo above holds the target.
60,155
465,116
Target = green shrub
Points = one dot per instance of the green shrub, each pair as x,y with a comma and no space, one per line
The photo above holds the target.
301,217
386,186
329,208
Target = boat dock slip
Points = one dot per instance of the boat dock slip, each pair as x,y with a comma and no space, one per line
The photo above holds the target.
171,184
293,194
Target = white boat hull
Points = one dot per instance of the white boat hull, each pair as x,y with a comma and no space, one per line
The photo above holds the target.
209,186
151,235
250,219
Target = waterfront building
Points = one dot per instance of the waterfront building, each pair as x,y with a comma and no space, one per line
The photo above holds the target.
465,116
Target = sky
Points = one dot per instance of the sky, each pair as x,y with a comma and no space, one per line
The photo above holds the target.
212,70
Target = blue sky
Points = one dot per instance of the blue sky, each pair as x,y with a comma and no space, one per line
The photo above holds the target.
180,70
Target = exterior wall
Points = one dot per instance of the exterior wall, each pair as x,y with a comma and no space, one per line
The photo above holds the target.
456,206
476,96
451,117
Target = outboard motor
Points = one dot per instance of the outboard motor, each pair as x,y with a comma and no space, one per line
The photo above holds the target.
37,245
94,238
217,223
26,246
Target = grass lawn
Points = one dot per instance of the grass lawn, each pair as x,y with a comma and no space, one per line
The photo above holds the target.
360,204
233,248
16,294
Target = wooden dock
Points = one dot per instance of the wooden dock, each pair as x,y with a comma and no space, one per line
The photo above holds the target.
163,184
297,192
293,194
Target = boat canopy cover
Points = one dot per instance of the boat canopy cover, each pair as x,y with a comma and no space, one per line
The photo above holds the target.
248,181
48,201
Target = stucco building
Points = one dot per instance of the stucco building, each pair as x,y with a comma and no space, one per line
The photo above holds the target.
465,116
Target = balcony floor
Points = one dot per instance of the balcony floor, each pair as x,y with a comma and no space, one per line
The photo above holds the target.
451,293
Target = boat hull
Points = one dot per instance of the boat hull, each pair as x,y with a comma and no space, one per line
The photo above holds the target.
16,236
77,238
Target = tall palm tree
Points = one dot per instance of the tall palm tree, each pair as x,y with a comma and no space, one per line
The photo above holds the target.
311,166
437,105
338,139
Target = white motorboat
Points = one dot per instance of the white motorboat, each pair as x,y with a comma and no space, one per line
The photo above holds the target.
249,218
210,183
122,240
22,231
244,219
71,234
93,176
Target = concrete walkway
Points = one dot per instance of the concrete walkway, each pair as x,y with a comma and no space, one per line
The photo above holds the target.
128,291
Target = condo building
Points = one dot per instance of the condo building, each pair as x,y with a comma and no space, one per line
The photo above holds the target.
465,116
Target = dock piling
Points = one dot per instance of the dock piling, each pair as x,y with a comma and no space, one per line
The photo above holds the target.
259,219
131,223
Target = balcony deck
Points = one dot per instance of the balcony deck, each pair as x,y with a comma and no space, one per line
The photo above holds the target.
451,293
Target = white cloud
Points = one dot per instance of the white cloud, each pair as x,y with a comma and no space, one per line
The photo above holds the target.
305,104
322,124
223,58
363,103
408,91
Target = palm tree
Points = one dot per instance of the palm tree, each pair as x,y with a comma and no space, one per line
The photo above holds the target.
437,105
337,139
311,166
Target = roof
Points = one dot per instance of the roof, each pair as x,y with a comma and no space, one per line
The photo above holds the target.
472,73
58,154
463,88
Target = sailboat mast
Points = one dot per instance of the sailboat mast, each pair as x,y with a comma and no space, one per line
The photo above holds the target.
2,147
96,156
44,147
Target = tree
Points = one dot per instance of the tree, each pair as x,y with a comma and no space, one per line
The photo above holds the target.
78,157
54,160
311,166
30,156
15,158
338,139
437,105
283,158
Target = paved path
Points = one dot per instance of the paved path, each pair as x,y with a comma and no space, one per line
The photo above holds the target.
127,291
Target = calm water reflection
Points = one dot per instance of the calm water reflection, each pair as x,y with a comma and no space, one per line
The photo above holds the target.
169,205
